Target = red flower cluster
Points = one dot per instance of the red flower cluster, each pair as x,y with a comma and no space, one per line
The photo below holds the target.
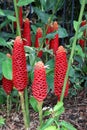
26,33
39,86
7,85
82,41
60,71
20,77
37,42
53,43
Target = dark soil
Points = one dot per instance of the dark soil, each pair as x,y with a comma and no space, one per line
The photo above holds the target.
75,113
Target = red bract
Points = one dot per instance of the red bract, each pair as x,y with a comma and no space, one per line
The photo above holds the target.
7,85
54,43
26,33
39,86
37,40
20,77
49,30
60,72
82,41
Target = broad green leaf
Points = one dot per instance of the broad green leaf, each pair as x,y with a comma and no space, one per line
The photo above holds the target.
24,2
50,65
50,81
67,125
2,42
51,128
75,25
62,32
81,1
33,103
72,72
58,106
3,96
42,15
6,36
2,121
34,28
7,68
51,35
2,12
79,51
2,57
12,18
48,122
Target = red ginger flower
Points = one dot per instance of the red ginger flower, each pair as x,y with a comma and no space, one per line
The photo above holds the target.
49,30
37,42
39,86
26,33
54,43
20,77
82,41
7,85
60,71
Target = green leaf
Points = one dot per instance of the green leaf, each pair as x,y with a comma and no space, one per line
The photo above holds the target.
2,121
48,122
12,18
58,106
42,15
75,24
2,42
67,125
33,103
24,2
50,64
34,28
7,68
2,12
81,1
50,81
6,35
51,128
79,51
2,57
51,35
72,72
62,32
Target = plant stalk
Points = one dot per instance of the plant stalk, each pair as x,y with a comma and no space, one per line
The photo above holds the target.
23,110
17,18
8,105
73,48
27,106
40,113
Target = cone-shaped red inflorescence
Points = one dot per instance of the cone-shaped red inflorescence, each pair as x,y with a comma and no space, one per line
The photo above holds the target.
37,40
26,33
7,85
20,16
82,41
60,71
49,30
54,43
39,86
20,77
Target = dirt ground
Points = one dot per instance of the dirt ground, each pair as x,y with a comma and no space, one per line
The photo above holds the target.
75,113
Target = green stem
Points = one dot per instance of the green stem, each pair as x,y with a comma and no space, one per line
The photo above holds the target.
17,18
8,105
23,110
40,113
73,48
27,106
